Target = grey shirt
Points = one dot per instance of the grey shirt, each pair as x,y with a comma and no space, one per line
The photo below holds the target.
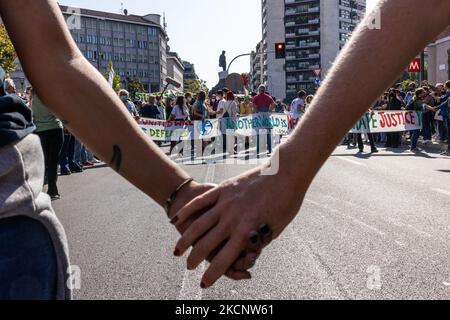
43,118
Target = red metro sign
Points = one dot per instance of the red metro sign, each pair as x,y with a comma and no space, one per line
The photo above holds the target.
414,66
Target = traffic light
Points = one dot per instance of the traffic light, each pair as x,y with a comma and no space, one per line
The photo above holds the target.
280,51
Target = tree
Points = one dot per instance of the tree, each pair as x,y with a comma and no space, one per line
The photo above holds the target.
135,86
195,86
116,80
7,52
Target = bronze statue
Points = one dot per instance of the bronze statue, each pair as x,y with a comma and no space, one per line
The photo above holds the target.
223,61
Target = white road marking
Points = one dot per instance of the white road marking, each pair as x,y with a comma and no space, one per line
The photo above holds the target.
357,221
442,191
351,161
393,221
190,288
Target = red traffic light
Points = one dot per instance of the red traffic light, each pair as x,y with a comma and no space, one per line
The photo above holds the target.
280,50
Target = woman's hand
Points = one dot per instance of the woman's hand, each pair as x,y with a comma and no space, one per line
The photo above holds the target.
252,208
248,256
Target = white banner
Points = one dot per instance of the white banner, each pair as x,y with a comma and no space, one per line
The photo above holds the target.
389,121
250,125
159,130
280,124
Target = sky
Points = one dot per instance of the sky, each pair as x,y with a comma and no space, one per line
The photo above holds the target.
200,29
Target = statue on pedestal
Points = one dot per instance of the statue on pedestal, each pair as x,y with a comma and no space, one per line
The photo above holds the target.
223,61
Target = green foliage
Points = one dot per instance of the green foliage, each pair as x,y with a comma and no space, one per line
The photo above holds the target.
135,86
195,86
7,52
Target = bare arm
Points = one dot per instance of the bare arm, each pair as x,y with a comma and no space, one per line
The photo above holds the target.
78,94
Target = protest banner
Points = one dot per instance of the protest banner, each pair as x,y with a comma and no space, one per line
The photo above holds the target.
280,124
159,130
248,126
388,121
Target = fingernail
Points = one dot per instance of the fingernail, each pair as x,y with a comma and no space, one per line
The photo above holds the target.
174,220
203,285
177,252
265,229
254,239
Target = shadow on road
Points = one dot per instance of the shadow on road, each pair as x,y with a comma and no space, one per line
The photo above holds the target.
365,156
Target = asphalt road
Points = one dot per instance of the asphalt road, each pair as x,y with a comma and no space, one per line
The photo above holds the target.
372,227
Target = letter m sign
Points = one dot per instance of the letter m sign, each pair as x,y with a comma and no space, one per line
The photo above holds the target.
414,66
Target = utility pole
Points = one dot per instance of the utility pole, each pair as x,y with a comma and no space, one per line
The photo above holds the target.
422,66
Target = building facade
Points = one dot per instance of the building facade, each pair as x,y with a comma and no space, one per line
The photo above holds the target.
273,31
314,32
137,45
189,71
439,59
175,70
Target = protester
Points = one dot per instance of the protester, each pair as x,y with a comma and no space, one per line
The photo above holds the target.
411,93
67,162
179,113
263,103
227,109
124,95
298,106
9,86
428,116
200,111
417,104
50,131
246,107
188,102
308,101
393,139
150,110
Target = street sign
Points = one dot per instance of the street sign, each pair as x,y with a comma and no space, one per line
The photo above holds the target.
317,72
414,66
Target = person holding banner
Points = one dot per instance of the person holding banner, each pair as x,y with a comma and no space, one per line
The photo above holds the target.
179,113
231,212
394,139
417,104
263,103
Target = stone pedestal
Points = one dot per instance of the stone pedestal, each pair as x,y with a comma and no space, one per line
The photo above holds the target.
222,82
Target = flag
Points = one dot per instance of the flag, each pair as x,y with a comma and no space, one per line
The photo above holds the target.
112,74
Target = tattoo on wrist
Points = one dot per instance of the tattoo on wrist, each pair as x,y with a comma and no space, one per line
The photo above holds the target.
116,160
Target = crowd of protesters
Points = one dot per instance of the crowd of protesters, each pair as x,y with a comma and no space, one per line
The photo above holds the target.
65,154
434,104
